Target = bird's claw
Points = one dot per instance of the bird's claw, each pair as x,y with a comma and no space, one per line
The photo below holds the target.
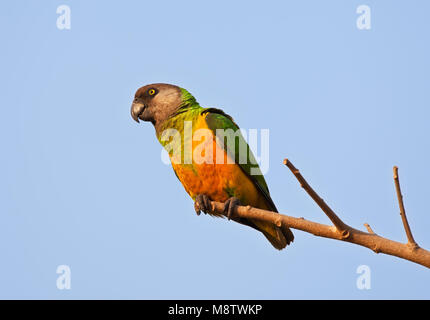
202,203
229,206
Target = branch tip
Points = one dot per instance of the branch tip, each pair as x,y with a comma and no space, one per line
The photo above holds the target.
369,229
411,240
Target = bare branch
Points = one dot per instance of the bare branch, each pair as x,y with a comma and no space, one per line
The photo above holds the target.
411,241
368,240
339,230
338,223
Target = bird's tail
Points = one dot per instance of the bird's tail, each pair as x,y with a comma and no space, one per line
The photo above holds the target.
279,237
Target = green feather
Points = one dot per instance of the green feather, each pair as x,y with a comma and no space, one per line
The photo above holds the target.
217,119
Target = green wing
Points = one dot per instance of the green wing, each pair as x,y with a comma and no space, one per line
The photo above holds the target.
217,119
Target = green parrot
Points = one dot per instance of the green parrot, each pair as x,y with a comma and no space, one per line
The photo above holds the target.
173,109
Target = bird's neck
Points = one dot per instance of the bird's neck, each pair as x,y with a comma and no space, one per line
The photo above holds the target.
177,122
173,133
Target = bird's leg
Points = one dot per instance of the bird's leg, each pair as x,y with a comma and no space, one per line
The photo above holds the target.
229,206
202,203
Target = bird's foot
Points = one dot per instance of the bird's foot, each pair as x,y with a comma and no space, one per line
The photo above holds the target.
229,206
202,203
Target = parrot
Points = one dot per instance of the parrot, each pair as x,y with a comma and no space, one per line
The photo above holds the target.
170,107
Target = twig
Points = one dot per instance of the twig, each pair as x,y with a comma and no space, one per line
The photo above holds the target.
338,223
369,229
411,240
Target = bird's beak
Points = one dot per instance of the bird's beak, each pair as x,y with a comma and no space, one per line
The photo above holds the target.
137,109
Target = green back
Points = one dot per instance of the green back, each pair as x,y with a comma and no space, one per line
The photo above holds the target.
217,119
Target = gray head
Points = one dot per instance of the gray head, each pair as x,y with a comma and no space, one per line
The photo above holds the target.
157,102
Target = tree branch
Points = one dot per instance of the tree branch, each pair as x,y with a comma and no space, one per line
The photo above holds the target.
339,230
411,241
337,222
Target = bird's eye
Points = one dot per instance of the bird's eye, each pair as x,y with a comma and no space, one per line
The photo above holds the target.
151,92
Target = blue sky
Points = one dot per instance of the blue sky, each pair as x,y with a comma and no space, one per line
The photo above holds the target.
83,185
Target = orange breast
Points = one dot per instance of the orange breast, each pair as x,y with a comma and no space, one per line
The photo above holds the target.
219,181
